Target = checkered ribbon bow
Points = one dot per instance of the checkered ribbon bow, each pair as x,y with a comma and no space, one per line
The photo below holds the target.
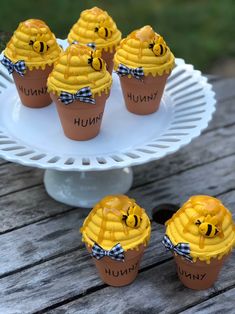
182,249
137,73
19,66
91,45
116,252
84,95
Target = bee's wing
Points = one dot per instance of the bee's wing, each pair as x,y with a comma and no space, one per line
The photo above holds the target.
136,210
214,220
106,23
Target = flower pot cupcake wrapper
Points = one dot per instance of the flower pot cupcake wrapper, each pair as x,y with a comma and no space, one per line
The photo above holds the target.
182,249
84,95
123,70
116,252
18,66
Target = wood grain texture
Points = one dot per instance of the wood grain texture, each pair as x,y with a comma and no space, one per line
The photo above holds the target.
213,179
27,206
157,290
16,177
50,238
222,303
202,150
72,275
63,277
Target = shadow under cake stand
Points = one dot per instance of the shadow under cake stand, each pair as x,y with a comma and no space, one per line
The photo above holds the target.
81,173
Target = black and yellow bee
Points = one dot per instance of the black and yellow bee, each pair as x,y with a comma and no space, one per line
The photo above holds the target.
103,32
96,62
133,217
158,49
39,46
207,229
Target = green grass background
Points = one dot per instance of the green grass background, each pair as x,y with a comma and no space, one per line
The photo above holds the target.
200,31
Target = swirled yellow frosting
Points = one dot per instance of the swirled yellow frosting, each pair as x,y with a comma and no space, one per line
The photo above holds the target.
85,29
134,51
182,227
72,72
105,226
22,45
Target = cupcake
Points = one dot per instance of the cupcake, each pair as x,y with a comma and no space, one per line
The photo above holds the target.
143,62
96,27
201,235
116,233
29,56
79,85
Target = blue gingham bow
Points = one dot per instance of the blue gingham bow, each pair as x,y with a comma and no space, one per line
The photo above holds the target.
137,73
116,252
84,95
91,45
19,66
181,249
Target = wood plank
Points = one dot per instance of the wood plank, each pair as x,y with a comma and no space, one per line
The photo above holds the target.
28,206
59,235
213,179
224,88
222,116
16,177
157,290
222,303
73,275
36,243
62,277
189,157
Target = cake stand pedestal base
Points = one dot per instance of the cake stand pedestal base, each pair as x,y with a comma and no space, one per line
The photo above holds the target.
84,189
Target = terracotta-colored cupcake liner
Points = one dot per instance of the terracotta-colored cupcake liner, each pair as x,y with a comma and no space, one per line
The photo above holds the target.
118,273
81,121
108,58
143,97
198,275
32,87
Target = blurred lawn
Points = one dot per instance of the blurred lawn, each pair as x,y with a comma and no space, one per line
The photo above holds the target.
199,31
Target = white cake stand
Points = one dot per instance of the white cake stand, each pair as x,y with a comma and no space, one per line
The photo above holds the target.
80,173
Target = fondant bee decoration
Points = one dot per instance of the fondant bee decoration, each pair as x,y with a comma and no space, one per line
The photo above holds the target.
39,46
159,48
207,227
95,61
133,216
104,30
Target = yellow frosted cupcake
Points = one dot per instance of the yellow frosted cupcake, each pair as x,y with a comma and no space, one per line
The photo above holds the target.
96,27
143,62
79,85
29,56
201,235
116,232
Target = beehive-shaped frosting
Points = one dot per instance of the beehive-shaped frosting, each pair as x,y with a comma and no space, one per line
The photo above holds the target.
105,226
183,227
136,51
73,71
86,29
22,45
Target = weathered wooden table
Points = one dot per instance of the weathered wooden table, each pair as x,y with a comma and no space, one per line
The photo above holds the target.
44,267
